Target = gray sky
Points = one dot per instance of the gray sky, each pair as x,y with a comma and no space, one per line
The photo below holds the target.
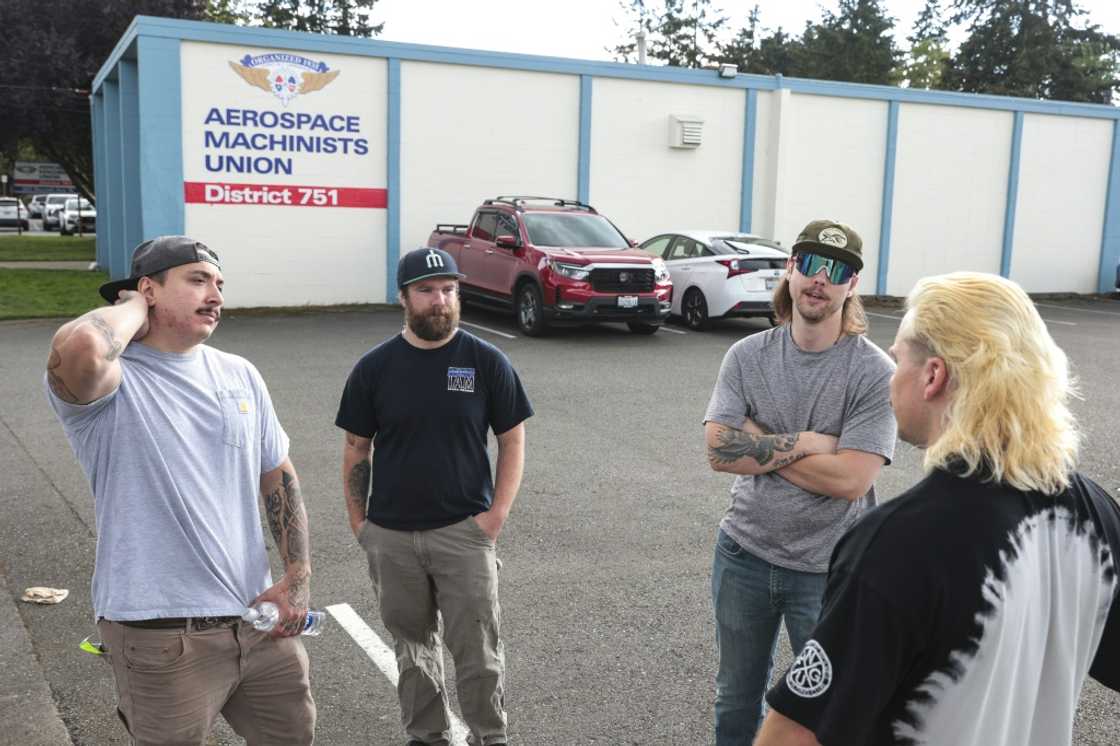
584,28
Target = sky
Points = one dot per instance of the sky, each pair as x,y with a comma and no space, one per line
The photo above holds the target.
583,29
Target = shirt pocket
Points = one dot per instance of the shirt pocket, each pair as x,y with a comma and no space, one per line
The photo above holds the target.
237,416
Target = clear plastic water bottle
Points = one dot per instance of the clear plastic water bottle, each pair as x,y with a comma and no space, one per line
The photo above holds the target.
265,615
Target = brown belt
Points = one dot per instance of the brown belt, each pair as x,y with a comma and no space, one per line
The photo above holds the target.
197,623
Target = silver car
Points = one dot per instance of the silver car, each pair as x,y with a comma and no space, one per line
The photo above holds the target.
13,214
51,207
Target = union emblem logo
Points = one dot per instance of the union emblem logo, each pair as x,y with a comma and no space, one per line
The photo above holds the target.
811,674
284,75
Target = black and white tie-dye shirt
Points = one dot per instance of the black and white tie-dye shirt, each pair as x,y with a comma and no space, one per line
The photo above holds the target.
963,614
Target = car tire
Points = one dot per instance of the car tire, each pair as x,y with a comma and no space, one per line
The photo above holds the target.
529,310
638,327
62,230
694,310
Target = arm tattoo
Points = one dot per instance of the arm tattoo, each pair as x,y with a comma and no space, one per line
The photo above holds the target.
287,519
115,347
357,488
58,386
736,444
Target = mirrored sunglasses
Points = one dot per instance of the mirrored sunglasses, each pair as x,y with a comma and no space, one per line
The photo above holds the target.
837,270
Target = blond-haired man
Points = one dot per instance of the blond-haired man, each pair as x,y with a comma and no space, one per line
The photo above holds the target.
969,610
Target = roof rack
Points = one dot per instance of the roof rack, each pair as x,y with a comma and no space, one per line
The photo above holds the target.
519,201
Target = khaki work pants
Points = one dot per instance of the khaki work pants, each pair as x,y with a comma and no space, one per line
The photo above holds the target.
419,577
173,683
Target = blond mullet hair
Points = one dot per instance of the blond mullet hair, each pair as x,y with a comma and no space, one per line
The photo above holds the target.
1009,418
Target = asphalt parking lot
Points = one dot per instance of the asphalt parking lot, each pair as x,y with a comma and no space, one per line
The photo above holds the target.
606,558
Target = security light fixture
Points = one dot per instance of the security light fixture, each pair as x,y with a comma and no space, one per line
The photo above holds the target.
728,71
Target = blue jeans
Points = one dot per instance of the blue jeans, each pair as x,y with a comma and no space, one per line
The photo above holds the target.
751,596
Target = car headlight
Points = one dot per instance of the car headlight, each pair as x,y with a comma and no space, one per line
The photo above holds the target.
661,271
571,271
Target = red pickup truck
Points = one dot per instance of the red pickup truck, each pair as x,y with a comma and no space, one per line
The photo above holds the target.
556,261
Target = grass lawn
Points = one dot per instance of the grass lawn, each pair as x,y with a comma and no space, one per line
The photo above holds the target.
41,293
25,248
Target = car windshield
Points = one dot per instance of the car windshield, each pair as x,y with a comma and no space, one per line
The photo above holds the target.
59,200
573,229
72,204
742,244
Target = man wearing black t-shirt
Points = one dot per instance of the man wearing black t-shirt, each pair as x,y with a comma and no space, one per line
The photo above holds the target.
416,410
969,610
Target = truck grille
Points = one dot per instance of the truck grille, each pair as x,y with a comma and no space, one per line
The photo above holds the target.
622,280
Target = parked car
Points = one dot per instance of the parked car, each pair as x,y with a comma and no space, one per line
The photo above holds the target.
718,274
73,211
35,206
556,261
51,207
13,213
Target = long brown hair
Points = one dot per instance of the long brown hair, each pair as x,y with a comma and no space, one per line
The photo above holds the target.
853,319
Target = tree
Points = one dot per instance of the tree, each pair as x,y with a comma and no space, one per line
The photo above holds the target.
342,17
682,33
855,45
929,57
1034,49
753,51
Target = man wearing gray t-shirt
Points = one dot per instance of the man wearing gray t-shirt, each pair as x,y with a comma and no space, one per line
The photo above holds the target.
801,414
177,440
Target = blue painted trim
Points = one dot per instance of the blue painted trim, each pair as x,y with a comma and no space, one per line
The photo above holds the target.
1012,196
886,215
746,188
276,39
123,50
113,208
393,213
128,88
583,186
97,135
1110,235
160,176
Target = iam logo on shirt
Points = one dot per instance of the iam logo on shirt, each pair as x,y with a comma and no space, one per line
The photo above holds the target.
460,379
284,75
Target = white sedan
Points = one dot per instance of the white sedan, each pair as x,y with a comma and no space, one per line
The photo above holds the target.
717,274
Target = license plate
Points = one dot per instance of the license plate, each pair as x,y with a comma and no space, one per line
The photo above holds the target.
771,283
627,301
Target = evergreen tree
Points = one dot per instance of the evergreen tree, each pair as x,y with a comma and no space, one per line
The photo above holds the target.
752,50
929,57
682,33
854,44
341,17
1034,49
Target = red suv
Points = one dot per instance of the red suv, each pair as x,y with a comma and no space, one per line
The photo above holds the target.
556,261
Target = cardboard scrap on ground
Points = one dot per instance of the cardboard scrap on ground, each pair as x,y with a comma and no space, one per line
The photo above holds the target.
43,595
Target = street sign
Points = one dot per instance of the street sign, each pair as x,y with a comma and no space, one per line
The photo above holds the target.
37,177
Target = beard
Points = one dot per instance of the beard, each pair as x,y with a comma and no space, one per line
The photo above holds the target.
815,313
435,325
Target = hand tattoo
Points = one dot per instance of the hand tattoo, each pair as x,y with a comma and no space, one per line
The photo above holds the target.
736,444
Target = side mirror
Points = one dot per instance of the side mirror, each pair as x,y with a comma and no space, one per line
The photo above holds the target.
507,242
632,242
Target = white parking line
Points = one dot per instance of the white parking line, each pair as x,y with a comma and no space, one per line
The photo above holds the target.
665,328
1083,310
883,316
1063,323
383,657
487,329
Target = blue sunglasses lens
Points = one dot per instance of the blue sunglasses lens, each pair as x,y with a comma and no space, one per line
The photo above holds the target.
837,271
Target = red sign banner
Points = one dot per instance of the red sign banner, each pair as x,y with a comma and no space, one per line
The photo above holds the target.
282,195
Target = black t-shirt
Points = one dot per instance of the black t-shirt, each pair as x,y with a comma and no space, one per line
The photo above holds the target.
965,614
428,412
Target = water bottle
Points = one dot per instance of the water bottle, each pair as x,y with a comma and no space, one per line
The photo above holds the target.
266,614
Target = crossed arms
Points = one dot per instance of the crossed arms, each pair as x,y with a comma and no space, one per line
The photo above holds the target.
807,459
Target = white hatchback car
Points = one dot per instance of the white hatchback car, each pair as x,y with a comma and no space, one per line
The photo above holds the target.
717,274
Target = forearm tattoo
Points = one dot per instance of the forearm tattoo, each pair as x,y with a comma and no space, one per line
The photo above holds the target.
357,485
114,346
287,519
764,449
58,386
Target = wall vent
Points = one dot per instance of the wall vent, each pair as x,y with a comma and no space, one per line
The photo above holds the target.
685,131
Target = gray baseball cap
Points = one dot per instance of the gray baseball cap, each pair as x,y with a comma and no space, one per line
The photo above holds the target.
154,256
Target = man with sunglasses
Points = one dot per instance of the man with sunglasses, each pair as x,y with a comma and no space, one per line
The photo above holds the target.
801,415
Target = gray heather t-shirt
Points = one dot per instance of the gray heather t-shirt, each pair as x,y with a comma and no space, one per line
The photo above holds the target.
174,457
842,391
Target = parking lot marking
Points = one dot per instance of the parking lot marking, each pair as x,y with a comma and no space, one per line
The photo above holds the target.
672,331
1064,323
487,329
1074,308
883,315
383,657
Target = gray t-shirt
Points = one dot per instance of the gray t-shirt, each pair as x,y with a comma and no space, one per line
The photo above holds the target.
174,457
842,391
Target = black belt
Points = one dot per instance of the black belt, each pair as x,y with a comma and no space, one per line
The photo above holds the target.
196,623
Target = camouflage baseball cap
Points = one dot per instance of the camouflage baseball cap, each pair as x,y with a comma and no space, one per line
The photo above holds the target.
829,238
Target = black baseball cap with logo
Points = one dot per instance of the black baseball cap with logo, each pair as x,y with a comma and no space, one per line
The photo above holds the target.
425,262
829,238
154,256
